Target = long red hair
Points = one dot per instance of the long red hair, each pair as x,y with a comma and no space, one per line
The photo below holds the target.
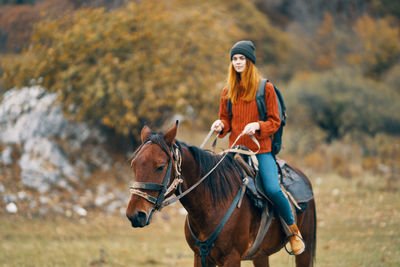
243,85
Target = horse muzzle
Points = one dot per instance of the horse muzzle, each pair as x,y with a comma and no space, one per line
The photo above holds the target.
139,219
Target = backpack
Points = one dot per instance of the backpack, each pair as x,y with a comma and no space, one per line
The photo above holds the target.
262,111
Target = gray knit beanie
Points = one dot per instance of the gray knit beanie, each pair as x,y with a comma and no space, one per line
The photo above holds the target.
245,48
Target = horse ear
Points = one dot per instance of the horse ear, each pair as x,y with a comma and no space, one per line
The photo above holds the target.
169,137
145,134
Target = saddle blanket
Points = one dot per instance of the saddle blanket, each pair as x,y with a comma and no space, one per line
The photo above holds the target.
293,181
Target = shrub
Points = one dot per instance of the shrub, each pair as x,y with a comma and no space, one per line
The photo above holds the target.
342,102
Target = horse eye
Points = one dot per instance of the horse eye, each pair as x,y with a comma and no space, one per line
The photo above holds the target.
160,168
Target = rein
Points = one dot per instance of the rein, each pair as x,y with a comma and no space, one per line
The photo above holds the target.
173,199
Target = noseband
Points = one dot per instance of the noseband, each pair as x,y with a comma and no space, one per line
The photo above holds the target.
174,158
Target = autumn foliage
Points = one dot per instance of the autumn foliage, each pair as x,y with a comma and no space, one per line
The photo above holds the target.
131,65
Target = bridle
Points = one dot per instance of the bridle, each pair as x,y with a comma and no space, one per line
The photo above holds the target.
164,190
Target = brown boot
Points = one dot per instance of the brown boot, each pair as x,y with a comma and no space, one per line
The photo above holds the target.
296,240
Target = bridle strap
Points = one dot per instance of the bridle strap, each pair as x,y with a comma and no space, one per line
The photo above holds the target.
153,187
147,186
161,196
144,195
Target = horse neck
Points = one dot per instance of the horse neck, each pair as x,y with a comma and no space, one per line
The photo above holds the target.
198,202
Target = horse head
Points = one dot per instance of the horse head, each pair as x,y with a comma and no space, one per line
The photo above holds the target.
152,165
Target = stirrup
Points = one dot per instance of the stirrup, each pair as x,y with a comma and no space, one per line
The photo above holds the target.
287,240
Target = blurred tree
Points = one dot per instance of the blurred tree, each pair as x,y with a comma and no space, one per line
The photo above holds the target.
143,62
16,22
343,102
384,8
376,46
324,44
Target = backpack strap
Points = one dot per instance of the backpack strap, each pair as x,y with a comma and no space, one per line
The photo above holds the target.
260,100
229,107
281,104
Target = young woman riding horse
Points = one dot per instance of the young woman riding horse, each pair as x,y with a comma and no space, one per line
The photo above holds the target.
242,83
207,185
218,229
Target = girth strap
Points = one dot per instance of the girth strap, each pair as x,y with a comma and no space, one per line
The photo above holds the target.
266,219
206,245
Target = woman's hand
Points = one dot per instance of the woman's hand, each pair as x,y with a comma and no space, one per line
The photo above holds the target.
217,126
251,128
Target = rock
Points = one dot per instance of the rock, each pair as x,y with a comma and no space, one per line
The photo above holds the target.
5,156
11,208
22,195
44,200
79,210
58,209
32,204
9,198
32,119
114,206
44,164
335,192
27,113
101,199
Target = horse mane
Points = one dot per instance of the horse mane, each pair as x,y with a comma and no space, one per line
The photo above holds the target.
224,180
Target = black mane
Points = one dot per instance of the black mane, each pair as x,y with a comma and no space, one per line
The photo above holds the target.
224,180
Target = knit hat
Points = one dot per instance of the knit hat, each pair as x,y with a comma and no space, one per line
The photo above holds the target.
245,48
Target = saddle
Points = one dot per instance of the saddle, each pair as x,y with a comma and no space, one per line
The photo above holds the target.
296,188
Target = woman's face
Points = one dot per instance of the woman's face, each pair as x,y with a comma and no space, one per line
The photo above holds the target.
239,62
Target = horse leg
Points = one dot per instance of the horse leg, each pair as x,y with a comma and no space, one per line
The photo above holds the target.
197,262
261,262
233,260
308,230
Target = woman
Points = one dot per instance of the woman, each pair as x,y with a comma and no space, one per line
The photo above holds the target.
242,83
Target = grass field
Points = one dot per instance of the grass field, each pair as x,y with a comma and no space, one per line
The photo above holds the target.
358,223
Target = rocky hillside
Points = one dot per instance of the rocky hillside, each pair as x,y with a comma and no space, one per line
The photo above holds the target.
51,164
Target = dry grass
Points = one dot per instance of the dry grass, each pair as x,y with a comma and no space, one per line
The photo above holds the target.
358,226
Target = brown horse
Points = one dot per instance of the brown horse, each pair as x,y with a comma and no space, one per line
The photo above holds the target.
166,170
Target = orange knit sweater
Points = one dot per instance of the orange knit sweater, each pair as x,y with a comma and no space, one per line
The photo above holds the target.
244,112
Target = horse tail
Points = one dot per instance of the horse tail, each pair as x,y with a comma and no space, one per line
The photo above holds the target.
314,242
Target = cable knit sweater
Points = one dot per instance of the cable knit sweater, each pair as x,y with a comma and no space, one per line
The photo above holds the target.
244,112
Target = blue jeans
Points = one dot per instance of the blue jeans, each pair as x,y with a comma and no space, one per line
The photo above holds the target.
269,175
